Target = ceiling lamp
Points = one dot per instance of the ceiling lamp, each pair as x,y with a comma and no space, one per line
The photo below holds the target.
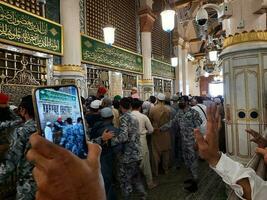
213,56
174,61
109,34
109,30
167,18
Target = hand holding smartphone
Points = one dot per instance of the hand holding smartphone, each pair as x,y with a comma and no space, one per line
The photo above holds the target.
60,118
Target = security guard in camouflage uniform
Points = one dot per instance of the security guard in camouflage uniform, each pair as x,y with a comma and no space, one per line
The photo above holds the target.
187,120
15,157
130,157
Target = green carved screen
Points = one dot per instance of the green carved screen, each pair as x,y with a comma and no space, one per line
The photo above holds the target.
98,53
20,28
162,69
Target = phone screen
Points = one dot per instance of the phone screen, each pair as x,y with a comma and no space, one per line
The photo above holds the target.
60,117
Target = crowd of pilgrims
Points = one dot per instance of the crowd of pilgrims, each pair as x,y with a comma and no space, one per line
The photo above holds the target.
139,140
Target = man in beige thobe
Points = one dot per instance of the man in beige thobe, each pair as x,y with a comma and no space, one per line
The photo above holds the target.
161,141
145,127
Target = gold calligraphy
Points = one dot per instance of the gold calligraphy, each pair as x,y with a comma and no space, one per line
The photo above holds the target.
19,27
100,53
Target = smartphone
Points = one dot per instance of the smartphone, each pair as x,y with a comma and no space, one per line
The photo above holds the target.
59,117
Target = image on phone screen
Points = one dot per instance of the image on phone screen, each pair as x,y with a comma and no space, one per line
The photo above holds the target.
60,117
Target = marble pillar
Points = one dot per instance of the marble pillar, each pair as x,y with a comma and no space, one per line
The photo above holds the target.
147,19
71,71
185,83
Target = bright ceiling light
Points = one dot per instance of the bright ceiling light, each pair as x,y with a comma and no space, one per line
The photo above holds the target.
213,56
206,74
174,61
109,34
167,20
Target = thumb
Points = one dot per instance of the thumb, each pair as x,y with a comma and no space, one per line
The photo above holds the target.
199,138
261,151
94,152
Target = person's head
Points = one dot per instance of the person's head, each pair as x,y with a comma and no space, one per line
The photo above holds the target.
94,106
125,104
101,92
107,114
199,99
183,102
79,120
175,98
5,111
134,90
49,124
26,110
152,99
116,104
136,104
161,98
193,102
106,102
217,101
69,120
168,101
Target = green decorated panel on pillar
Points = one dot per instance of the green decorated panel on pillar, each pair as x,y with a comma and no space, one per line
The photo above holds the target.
21,28
162,69
98,53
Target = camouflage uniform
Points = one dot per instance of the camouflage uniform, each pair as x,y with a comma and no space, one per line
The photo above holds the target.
130,157
187,120
15,159
80,139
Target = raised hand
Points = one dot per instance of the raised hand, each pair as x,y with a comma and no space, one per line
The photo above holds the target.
257,138
59,174
263,152
208,147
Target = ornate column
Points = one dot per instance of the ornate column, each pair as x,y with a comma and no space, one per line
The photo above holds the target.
147,19
245,78
185,68
71,71
179,71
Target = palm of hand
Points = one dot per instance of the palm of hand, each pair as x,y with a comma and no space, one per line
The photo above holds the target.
208,146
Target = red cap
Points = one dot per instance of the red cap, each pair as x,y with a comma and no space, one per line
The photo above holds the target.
59,119
4,98
102,90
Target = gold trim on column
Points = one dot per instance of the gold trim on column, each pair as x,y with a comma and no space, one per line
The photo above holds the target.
69,68
245,37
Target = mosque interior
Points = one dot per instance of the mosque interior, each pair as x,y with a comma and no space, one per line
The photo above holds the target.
204,48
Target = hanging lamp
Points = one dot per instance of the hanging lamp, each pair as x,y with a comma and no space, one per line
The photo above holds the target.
109,31
174,61
167,18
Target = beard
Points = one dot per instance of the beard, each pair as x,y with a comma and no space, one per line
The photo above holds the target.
6,114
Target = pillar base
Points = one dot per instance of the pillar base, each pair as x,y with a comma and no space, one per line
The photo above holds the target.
146,88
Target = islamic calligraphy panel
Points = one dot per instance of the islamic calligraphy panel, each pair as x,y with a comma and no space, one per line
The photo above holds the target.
98,53
162,69
27,30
